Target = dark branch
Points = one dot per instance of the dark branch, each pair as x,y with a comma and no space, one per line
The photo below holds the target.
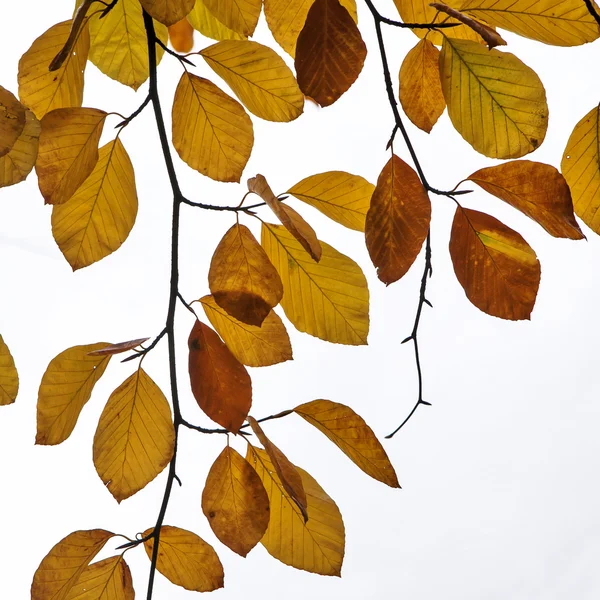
283,413
416,25
134,114
146,350
178,56
592,10
205,430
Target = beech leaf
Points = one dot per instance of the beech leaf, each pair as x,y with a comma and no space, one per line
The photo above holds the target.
181,36
12,120
9,378
108,579
20,159
240,16
168,12
207,24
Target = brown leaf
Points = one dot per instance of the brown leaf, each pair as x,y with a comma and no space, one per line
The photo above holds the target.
496,267
20,160
181,36
12,120
118,348
235,502
220,383
108,579
330,52
77,24
287,472
397,221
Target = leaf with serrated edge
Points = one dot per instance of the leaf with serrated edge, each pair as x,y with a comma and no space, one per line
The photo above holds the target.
186,559
9,378
168,12
316,545
496,267
66,387
235,502
240,16
352,436
12,120
328,299
98,218
536,189
19,161
108,579
259,78
208,25
61,567
135,437
495,101
581,168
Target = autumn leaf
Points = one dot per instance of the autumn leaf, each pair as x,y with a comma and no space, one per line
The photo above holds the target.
20,159
334,293
352,436
235,502
68,151
63,565
240,16
220,383
496,102
421,93
242,279
78,25
330,52
536,189
118,348
498,270
65,389
397,221
135,437
9,378
253,346
186,559
208,25
316,545
168,12
108,579
181,36
98,218
258,77
12,120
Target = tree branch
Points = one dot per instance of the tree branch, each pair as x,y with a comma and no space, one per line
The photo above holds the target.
592,10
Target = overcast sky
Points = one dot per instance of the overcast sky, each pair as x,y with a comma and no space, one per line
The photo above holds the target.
500,491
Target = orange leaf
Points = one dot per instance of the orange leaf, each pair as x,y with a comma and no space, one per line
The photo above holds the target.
181,36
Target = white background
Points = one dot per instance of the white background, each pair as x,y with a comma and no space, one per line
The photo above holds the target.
500,495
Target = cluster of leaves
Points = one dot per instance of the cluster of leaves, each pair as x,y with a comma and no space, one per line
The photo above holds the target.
494,100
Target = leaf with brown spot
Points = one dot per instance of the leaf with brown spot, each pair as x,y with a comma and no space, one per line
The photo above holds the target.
19,161
118,348
168,12
9,378
108,579
12,120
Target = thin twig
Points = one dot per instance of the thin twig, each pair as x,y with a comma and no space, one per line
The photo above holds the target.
134,114
216,207
178,56
417,25
283,413
592,10
205,430
146,350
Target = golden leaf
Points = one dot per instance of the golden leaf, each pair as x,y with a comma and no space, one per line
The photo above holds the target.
398,220
316,545
330,52
421,93
118,348
43,90
119,47
9,378
220,383
62,566
581,167
135,437
334,296
496,102
343,197
536,189
253,346
235,502
181,36
207,24
108,579
212,132
352,436
68,151
258,77
186,559
66,387
496,267
240,16
168,12
19,161
242,279
97,219
12,120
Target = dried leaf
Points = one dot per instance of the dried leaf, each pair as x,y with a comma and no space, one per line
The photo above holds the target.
9,378
12,120
108,579
118,348
207,24
19,161
168,12
78,25
181,36
240,16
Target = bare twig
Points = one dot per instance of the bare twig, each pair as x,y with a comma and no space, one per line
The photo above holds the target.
135,113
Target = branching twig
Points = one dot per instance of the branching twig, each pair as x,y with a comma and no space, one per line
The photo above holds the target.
178,56
134,114
283,413
146,350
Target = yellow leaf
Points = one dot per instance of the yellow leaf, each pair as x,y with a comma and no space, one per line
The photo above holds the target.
43,90
556,22
118,348
328,299
497,103
253,346
397,221
581,167
286,19
9,378
536,189
242,279
68,151
235,502
240,16
66,387
12,120
181,36
343,197
421,93
352,436
212,132
168,12
61,567
108,579
207,24
186,559
316,545
496,267
135,437
99,216
19,161
258,77
119,47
